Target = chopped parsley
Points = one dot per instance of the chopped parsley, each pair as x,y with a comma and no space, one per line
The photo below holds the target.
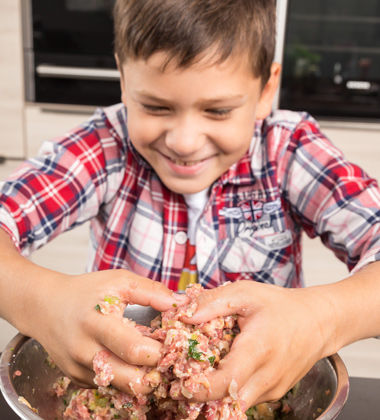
98,308
192,352
211,359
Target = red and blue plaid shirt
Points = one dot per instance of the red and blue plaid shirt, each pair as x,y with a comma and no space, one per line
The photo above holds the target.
292,179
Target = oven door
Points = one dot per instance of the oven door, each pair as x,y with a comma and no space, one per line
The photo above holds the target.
68,48
331,65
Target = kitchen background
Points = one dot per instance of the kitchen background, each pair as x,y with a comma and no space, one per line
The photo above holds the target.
331,60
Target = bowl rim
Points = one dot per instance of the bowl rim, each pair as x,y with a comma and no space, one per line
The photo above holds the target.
6,386
342,390
25,413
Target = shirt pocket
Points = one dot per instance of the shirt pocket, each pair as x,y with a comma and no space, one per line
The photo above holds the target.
262,251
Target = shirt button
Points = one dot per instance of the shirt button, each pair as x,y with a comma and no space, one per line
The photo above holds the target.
180,238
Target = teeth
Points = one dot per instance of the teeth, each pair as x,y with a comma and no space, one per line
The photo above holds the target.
187,163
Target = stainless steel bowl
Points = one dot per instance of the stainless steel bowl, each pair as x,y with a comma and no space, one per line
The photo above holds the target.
322,393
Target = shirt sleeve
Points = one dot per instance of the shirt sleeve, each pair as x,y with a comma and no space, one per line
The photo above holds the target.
331,197
64,186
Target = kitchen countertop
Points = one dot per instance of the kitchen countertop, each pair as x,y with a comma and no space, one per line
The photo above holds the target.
363,402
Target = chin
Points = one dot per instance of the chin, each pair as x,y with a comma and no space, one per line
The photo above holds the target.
186,188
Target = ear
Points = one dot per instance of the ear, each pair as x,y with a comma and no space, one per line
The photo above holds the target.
122,83
264,106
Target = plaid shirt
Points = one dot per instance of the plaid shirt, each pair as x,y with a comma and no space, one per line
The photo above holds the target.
292,179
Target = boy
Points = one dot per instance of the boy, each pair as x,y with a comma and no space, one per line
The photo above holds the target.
194,159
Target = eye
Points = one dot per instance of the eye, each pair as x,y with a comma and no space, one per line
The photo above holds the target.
219,112
155,109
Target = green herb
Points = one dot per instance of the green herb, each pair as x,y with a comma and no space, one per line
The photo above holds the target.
174,305
251,413
99,401
112,300
192,352
128,405
98,308
211,359
49,361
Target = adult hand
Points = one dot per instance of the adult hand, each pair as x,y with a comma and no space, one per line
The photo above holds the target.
72,331
284,332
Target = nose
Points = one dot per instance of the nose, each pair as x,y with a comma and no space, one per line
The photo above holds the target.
184,137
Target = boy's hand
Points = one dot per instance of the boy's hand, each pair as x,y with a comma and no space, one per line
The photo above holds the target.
73,331
284,332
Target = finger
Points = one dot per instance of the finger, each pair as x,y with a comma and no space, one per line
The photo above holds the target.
259,389
125,377
128,378
266,385
124,340
81,384
230,299
80,375
234,370
146,292
83,377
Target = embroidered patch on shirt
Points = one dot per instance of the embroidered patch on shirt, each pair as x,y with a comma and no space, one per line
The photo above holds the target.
279,240
252,210
272,206
254,216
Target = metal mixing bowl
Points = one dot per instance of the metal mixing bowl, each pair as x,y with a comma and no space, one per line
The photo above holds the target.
321,395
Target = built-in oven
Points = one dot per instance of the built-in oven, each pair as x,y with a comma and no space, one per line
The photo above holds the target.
68,52
330,51
331,61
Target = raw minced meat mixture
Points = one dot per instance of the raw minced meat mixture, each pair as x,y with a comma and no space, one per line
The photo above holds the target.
189,353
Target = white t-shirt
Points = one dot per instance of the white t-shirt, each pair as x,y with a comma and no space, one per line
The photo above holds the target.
196,203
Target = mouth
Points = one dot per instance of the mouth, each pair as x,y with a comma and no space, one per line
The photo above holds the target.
186,162
187,167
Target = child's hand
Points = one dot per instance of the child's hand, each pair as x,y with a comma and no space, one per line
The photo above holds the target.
283,333
73,331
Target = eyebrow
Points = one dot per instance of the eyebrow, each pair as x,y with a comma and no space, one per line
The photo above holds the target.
235,99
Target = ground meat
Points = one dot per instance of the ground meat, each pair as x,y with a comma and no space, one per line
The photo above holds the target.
60,386
102,369
189,353
105,403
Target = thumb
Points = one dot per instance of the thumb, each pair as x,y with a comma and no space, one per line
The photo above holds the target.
143,291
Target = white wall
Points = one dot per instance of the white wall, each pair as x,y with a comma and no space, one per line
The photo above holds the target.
361,144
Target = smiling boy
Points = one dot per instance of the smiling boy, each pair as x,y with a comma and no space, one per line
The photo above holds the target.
194,173
183,122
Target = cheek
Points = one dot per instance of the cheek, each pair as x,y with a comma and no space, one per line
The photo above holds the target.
236,137
142,130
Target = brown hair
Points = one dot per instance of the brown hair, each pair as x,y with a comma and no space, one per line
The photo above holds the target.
187,28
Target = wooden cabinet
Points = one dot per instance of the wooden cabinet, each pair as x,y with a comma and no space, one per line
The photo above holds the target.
11,80
45,123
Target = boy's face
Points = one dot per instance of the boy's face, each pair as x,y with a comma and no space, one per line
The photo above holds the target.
192,124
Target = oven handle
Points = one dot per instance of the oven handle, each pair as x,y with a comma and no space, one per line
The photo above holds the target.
47,70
